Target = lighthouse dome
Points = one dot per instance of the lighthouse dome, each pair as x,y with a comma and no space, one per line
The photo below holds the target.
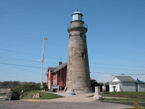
77,15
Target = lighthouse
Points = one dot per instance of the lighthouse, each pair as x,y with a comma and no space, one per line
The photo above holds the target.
78,75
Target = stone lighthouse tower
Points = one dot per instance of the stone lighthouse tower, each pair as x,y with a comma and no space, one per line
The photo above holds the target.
78,75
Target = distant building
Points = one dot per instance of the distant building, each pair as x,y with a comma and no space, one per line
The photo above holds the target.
122,83
140,85
56,76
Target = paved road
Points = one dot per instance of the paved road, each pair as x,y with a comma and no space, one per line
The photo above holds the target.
62,105
81,101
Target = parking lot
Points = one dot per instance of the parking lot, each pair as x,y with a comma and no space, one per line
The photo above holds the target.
19,104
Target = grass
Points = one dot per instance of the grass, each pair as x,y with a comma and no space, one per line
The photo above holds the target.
124,100
29,95
126,93
91,96
122,93
133,108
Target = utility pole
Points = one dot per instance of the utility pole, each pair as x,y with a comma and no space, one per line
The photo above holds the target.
41,85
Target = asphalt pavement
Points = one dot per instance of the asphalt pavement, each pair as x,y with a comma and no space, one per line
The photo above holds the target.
80,101
18,104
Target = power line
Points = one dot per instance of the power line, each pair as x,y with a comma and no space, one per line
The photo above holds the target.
117,65
25,70
25,60
101,73
120,69
20,65
17,75
117,73
19,59
19,52
28,53
63,46
46,68
117,57
64,59
53,57
57,63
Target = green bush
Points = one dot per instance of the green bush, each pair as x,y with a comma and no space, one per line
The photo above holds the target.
26,87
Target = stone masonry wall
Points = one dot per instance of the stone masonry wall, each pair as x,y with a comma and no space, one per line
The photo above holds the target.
78,76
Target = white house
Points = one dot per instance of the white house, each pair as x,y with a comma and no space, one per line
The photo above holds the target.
122,83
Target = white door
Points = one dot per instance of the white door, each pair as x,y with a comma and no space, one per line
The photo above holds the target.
48,84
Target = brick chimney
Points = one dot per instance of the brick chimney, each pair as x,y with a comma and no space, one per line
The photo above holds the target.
60,62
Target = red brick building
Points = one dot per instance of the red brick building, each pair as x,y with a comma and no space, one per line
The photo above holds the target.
57,75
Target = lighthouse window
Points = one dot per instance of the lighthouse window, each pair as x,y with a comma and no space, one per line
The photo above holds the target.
83,55
81,34
69,35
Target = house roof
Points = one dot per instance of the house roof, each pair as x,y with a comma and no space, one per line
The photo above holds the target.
139,81
50,68
55,69
92,79
59,67
116,82
125,78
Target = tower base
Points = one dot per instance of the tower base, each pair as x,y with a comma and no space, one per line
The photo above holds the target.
79,90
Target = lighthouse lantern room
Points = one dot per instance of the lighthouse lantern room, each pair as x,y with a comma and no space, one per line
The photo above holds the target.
77,15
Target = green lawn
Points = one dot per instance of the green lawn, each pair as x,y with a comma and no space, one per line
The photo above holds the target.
29,95
91,96
125,93
122,93
135,108
124,100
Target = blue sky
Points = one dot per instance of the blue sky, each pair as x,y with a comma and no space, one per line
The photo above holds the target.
115,37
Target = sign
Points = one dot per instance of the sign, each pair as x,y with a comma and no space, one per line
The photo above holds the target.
55,86
138,106
61,84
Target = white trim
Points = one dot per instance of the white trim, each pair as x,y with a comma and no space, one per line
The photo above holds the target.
49,84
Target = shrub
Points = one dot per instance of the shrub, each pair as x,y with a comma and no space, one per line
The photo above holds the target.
25,88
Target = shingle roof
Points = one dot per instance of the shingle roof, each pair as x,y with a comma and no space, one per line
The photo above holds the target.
55,69
50,68
125,78
59,67
139,81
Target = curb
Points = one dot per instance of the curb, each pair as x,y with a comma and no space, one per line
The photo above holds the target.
31,100
35,100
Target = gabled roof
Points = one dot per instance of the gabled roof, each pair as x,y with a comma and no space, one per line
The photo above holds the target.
125,78
60,67
55,69
139,81
50,68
